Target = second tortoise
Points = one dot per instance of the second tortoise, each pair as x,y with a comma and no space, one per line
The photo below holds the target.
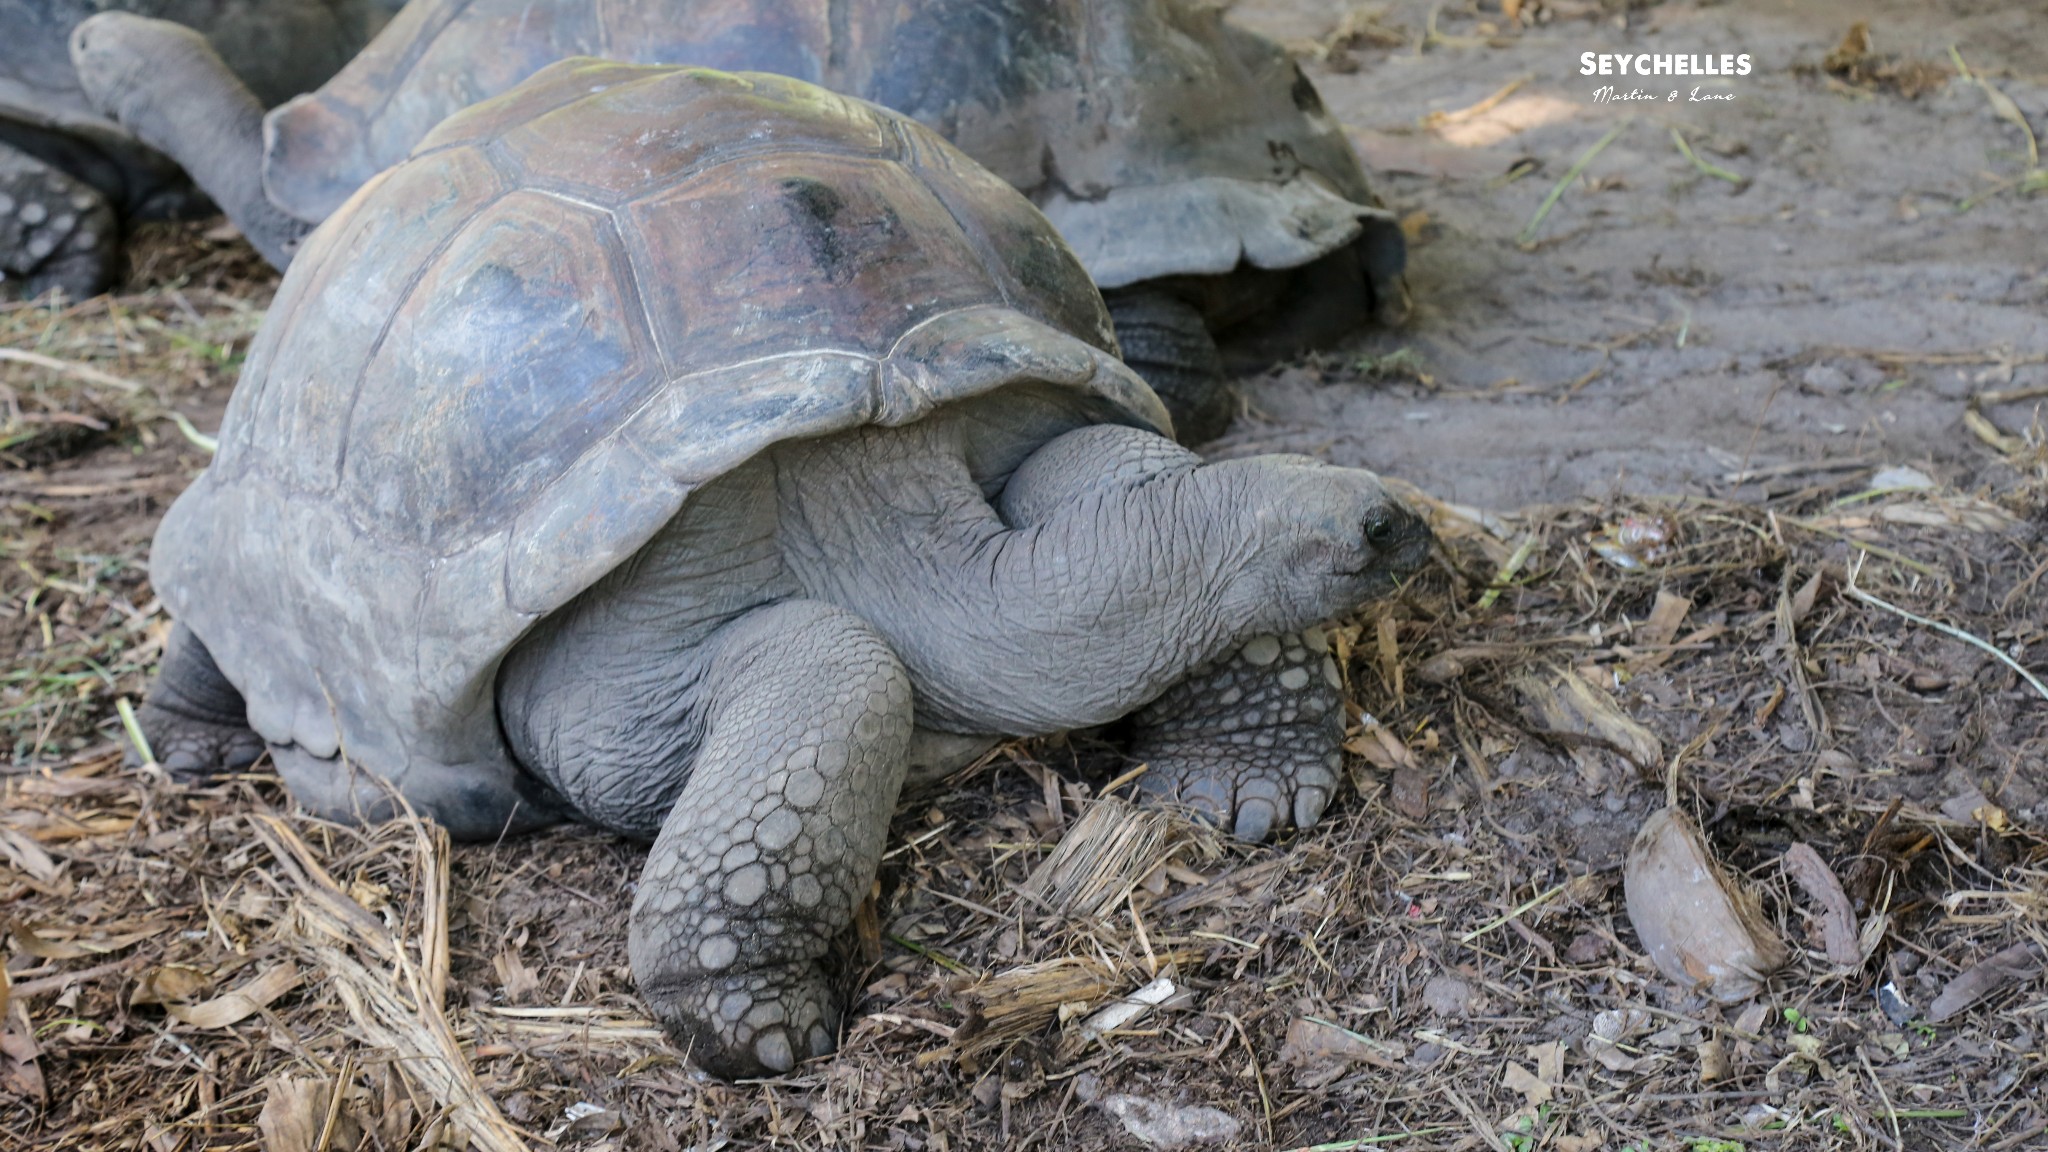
1189,163
71,179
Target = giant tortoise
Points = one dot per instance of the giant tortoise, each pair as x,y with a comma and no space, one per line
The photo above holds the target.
689,453
70,178
1190,164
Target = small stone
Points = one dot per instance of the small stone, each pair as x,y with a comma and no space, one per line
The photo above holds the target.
1586,948
1447,995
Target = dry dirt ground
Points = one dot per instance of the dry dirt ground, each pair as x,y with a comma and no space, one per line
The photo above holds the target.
1665,328
1741,484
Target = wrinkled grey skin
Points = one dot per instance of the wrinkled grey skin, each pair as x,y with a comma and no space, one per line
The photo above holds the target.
744,691
70,178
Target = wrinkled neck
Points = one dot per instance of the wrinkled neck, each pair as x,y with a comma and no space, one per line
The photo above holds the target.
1072,620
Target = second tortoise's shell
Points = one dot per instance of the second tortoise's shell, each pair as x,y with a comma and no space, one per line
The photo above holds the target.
1161,140
504,364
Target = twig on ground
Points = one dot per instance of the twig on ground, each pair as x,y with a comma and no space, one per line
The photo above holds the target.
1528,236
1853,592
72,368
1715,171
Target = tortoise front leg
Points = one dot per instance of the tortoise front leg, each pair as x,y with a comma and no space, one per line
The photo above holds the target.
1165,339
1253,741
774,839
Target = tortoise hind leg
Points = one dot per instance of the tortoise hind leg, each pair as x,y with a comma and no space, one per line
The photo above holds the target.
1165,340
195,721
55,231
164,82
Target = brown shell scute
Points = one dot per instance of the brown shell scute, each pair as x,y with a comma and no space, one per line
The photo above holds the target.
525,333
801,252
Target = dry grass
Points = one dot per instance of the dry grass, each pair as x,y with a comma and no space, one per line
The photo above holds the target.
89,455
1445,963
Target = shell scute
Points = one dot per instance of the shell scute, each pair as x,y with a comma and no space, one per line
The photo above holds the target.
1039,274
302,379
795,252
519,344
598,512
642,132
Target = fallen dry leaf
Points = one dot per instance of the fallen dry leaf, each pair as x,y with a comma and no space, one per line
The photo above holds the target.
1666,615
514,976
1713,1060
294,1111
240,1003
46,942
1311,1041
24,853
1381,748
1803,600
1699,926
1837,914
1531,1086
18,1072
1563,702
1387,641
171,984
2014,964
1609,1037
